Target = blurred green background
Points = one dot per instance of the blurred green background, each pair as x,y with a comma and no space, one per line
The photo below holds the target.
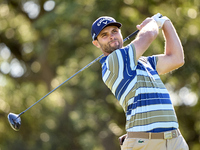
44,42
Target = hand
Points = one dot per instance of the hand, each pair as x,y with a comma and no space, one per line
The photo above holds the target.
122,138
146,21
160,20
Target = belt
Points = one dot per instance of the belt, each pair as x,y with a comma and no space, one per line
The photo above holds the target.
150,135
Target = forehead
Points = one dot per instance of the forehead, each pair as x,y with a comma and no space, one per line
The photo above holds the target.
108,28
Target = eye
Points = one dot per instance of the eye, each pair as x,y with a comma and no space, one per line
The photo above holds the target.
103,35
115,31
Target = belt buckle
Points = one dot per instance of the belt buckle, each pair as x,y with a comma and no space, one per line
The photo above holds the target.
168,135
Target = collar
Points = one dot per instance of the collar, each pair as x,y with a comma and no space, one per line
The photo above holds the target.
103,59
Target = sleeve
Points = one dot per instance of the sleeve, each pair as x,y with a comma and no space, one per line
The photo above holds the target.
153,61
132,56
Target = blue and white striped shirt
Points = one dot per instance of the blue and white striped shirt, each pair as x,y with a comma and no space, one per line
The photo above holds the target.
139,90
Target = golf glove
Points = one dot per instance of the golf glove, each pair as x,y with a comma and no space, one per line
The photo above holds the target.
160,20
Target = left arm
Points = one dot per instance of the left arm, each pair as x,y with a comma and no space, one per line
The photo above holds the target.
173,56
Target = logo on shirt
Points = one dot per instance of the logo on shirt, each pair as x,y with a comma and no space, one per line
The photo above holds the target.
140,141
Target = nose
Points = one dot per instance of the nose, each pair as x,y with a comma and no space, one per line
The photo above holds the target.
112,36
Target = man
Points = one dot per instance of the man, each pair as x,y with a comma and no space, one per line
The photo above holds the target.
151,122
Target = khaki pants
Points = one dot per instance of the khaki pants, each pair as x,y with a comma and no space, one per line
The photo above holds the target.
177,143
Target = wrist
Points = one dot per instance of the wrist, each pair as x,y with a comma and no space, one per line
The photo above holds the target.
167,25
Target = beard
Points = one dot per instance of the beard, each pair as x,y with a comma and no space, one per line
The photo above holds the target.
108,48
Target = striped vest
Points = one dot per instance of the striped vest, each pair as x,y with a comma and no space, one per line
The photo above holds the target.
139,90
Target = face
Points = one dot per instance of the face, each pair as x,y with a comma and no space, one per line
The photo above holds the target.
109,39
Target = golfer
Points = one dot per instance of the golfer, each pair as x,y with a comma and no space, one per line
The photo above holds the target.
151,122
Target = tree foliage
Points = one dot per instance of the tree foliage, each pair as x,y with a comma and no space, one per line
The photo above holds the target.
42,43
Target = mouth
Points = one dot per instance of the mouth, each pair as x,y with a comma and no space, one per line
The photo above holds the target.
115,42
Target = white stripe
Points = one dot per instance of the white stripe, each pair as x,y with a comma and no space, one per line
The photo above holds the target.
106,75
106,61
144,73
113,64
120,72
145,90
131,56
153,126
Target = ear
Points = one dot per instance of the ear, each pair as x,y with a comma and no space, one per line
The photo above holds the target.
96,43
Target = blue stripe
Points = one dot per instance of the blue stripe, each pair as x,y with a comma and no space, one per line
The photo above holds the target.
102,60
153,72
151,95
123,85
140,67
157,130
104,69
128,67
152,61
161,130
147,103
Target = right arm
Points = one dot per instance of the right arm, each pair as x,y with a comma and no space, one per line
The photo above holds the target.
147,34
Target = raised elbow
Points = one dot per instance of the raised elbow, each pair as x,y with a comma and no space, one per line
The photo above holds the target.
179,62
181,58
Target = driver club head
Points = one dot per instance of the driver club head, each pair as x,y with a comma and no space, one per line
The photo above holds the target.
15,121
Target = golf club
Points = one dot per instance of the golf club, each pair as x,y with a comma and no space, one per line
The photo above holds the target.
15,120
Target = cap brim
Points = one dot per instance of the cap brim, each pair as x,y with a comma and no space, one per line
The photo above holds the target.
113,24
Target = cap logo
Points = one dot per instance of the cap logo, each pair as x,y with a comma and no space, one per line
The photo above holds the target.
103,21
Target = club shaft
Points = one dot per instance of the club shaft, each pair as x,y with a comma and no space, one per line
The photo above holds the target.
127,38
62,83
131,35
